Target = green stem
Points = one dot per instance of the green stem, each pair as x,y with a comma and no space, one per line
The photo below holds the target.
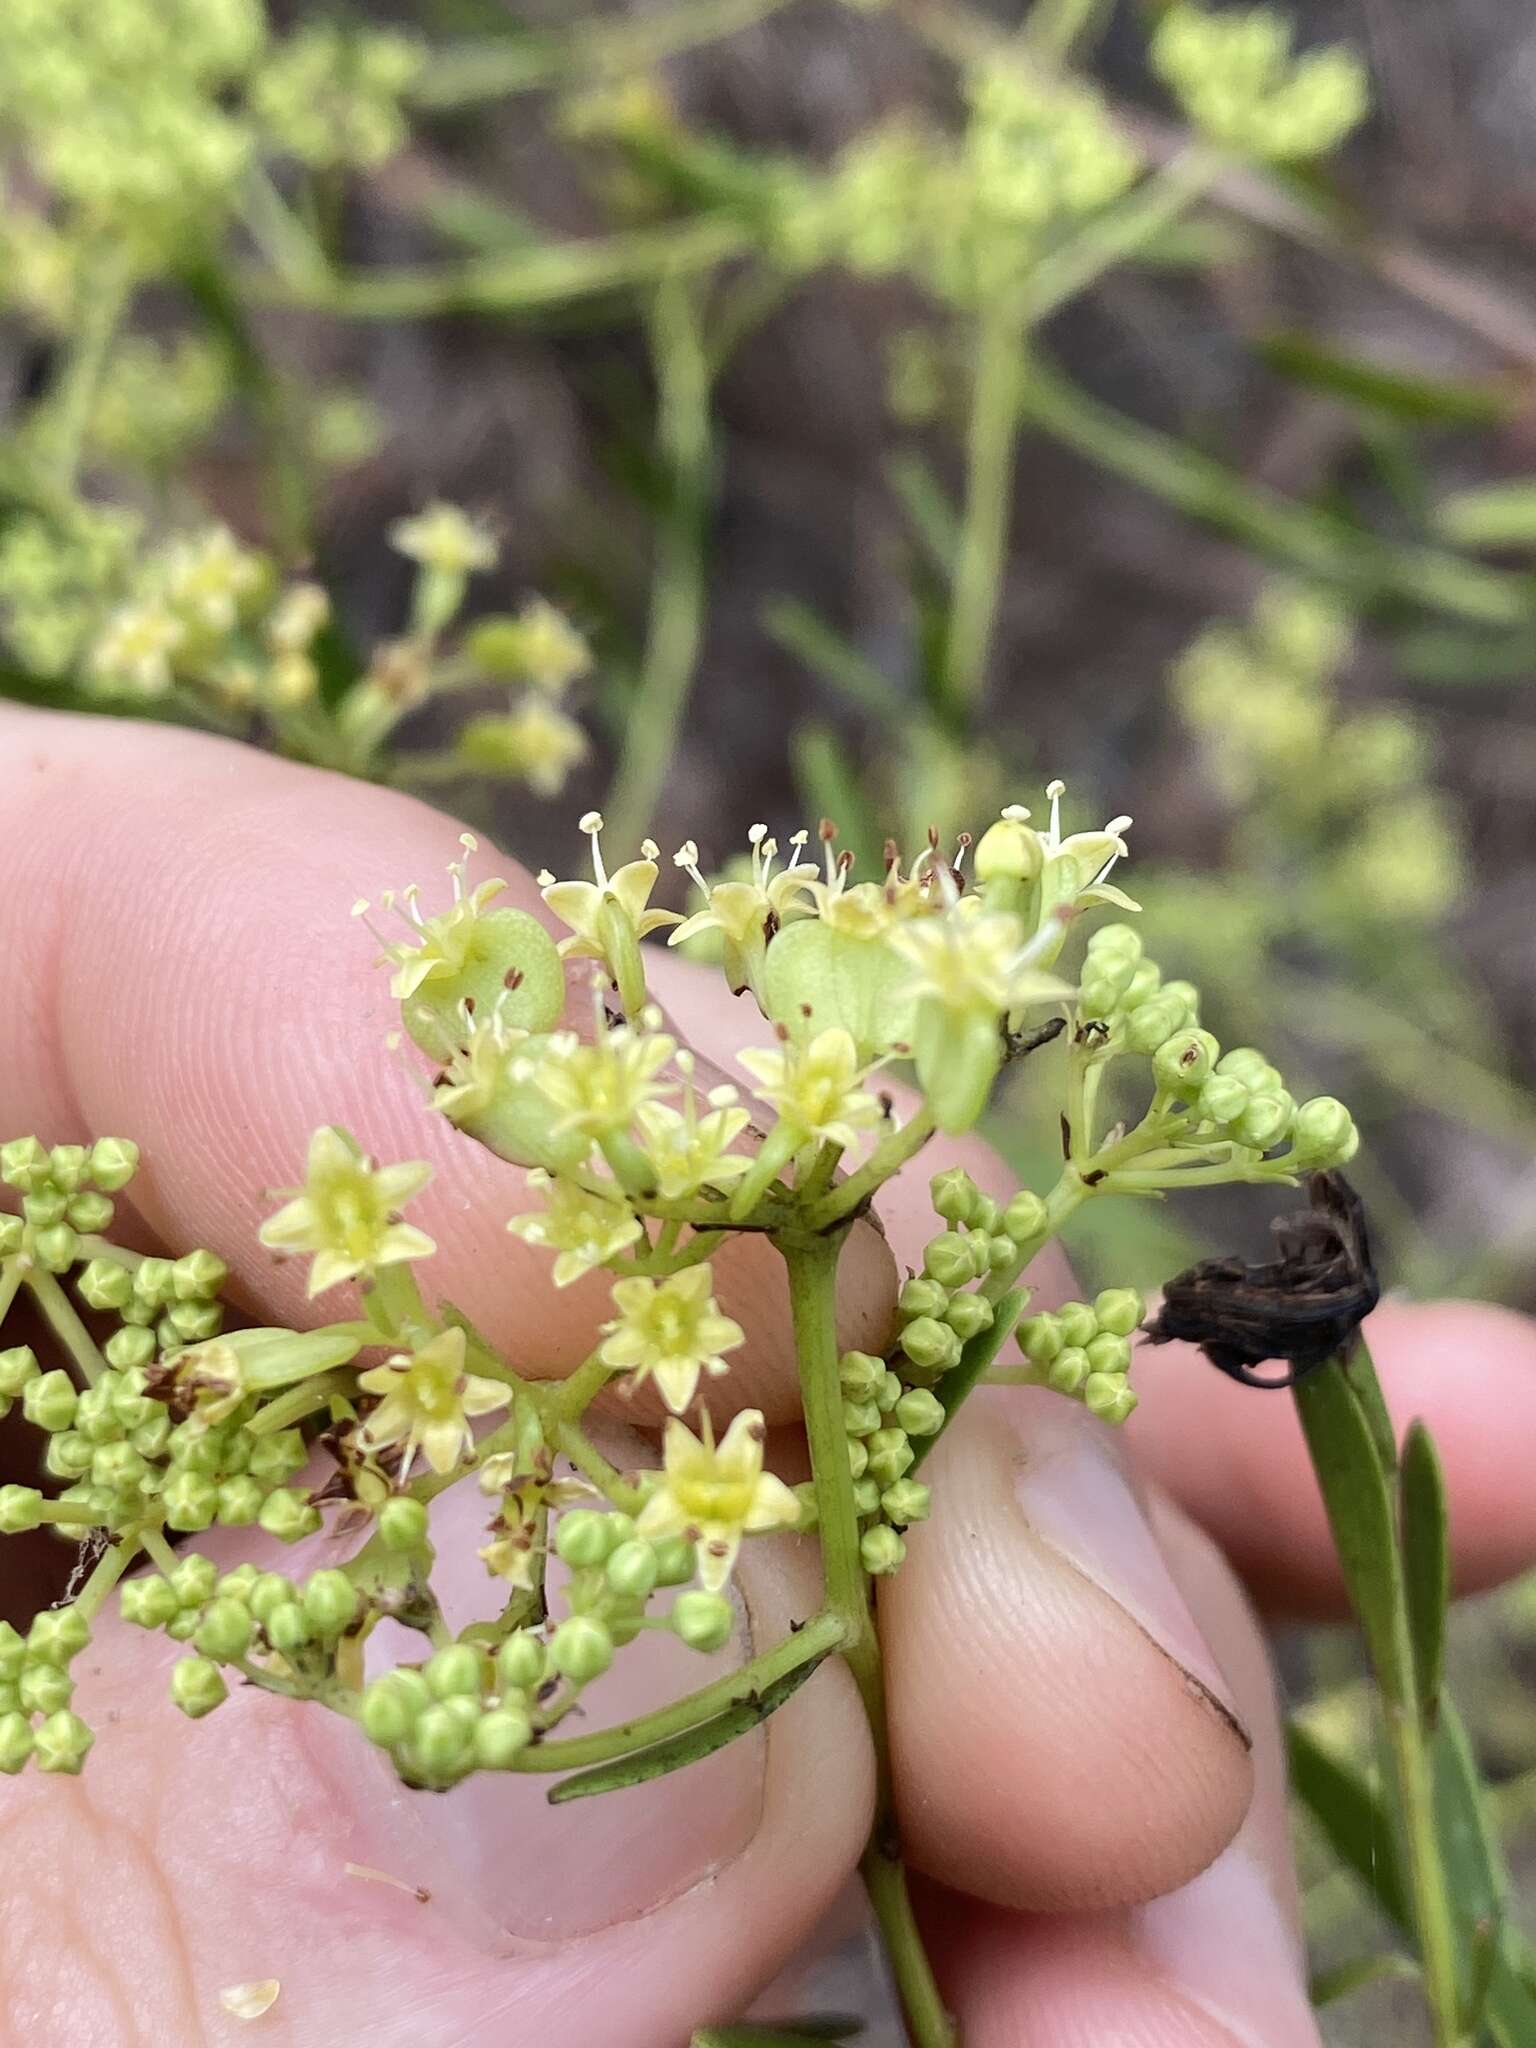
812,1264
991,438
158,1551
1115,236
106,1575
678,589
102,309
66,1324
589,1460
892,1152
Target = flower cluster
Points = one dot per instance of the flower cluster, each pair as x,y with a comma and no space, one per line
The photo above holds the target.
1237,79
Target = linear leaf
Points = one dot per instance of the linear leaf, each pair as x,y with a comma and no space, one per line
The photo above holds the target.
1495,516
1355,1819
1348,1978
1426,1565
1414,395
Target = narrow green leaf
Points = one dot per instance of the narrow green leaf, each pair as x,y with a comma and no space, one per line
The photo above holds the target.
1331,1985
1494,516
675,1754
926,504
1417,396
1426,1565
828,781
978,1354
1360,1374
836,660
1355,1820
1357,1493
1444,656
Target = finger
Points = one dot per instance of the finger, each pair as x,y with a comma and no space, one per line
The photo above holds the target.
1215,1964
185,1861
184,972
1236,1459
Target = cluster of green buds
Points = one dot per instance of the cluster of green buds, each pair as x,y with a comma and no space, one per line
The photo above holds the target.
37,1723
65,1197
883,1417
1236,76
1084,1349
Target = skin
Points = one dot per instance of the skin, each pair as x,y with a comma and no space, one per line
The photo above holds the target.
1086,1742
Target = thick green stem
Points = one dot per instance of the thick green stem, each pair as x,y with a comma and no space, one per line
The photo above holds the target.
888,1155
677,596
812,1264
66,1324
991,438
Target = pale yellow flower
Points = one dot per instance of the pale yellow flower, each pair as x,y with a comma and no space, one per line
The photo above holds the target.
428,1400
669,1331
445,538
584,1229
476,1069
716,1494
137,649
816,1087
438,948
747,913
971,960
688,1151
346,1213
598,1089
580,904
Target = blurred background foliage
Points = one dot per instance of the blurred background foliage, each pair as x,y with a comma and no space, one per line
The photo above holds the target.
735,409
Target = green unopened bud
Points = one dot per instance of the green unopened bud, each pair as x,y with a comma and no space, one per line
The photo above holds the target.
1143,985
888,1392
1108,1396
1040,1338
190,1500
388,1712
68,1455
13,1234
403,1523
198,1277
866,1496
15,1743
1108,1353
104,1284
581,1649
860,1418
584,1537
21,1508
240,1501
195,1579
197,1686
631,1570
521,1662
118,1467
190,1322
919,1413
882,1551
947,1259
1099,997
500,1738
1323,1134
130,1346
968,1315
113,1163
675,1561
955,1195
889,1455
44,1688
152,1282
1265,1121
18,1368
906,1502
288,1628
440,1742
1247,1064
1077,1322
13,1654
148,1603
270,1592
704,1621
921,1297
57,1633
239,1584
1119,1310
1008,851
1183,1063
1025,1219
225,1630
62,1743
49,1402
90,1212
1116,942
1223,1098
455,1669
1068,1369
931,1346
330,1600
274,1457
23,1164
288,1516
1155,1022
859,1374
858,1457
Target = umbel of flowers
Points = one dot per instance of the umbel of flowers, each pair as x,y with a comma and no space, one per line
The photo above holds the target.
936,973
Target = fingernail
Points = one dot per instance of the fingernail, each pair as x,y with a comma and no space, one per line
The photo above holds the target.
1225,1943
1076,1497
508,1868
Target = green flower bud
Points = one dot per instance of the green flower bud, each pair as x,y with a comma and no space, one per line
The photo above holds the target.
1108,1396
148,1603
195,1579
190,1500
21,1508
388,1712
1223,1098
860,1418
90,1212
129,1347
239,1584
920,1297
521,1662
68,1455
113,1163
1097,998
49,1402
947,1259
859,1374
906,1502
240,1500
581,1649
403,1523
955,1195
968,1315
151,1438
631,1570
931,1346
1077,1322
1068,1369
1119,1310
117,1467
500,1738
44,1210
675,1561
330,1601
1040,1338
1025,1217
440,1742
584,1537
288,1628
1008,851
1155,1022
1265,1121
12,1234
197,1687
858,1457
1183,1063
1108,1353
704,1621
44,1688
288,1516
62,1743
274,1457
18,1369
67,1166
104,1284
94,1417
456,1669
13,1654
888,1393
15,1743
1142,986
225,1630
881,1550
152,1282
919,1413
56,1634
889,1455
270,1592
1323,1134
866,1496
198,1277
23,1164
190,1322
1116,941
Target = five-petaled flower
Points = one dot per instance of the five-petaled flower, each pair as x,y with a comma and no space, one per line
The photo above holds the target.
714,1494
816,1088
428,1398
669,1331
346,1213
584,1229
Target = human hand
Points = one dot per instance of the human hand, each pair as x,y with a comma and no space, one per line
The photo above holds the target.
1075,1677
